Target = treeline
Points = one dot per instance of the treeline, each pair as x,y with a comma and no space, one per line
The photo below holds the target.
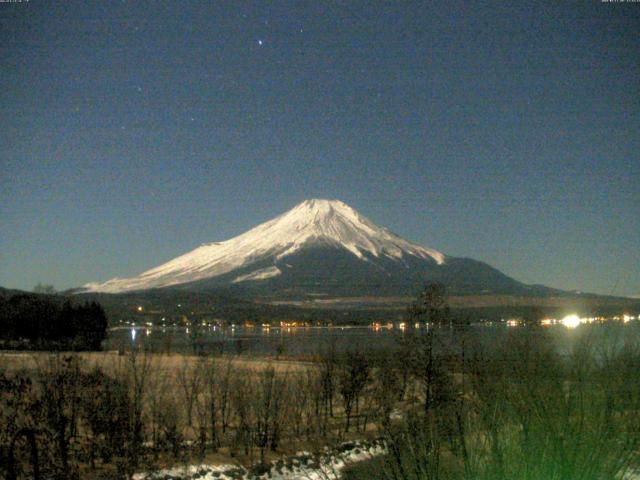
31,321
199,306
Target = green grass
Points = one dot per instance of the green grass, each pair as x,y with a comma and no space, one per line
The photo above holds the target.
527,413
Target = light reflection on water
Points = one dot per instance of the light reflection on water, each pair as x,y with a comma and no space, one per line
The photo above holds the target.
309,340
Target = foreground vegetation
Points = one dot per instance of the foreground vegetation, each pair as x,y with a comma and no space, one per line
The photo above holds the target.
522,411
448,406
448,403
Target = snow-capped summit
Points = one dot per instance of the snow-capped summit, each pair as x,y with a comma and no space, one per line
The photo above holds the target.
335,223
313,224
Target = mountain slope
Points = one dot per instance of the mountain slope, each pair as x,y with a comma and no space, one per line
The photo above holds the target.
320,247
312,223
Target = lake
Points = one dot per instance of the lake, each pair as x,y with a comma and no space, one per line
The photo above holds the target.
296,341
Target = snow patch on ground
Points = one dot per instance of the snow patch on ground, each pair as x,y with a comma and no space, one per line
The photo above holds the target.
304,465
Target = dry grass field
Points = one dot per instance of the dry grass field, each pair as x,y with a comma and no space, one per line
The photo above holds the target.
167,363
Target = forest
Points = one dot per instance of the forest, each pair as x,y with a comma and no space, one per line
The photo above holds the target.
49,322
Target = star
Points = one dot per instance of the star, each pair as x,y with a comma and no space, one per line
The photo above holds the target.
260,42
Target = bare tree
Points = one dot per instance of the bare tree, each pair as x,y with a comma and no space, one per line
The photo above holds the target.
353,377
170,431
431,306
136,370
328,367
60,402
388,381
264,407
190,381
241,393
224,394
299,390
105,407
206,404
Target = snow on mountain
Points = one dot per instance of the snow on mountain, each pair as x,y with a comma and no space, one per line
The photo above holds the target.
311,223
261,274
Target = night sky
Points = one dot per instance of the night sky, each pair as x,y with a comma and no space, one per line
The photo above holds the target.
132,132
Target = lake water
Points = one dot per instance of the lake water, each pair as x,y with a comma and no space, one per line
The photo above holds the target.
297,341
253,341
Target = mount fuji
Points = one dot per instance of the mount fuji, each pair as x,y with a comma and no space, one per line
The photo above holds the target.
319,248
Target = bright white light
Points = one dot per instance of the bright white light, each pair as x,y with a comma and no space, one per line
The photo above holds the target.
133,334
571,321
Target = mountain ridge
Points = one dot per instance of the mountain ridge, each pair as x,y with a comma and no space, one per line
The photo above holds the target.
314,222
319,247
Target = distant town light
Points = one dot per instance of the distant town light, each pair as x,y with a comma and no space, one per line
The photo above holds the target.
571,321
